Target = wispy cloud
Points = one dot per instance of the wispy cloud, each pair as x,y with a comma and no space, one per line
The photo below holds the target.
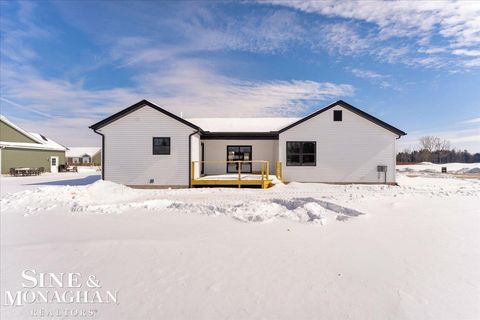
474,120
430,34
186,86
457,23
367,74
462,135
468,53
197,90
167,67
15,35
456,20
29,109
473,63
461,139
376,78
196,26
167,75
339,38
273,32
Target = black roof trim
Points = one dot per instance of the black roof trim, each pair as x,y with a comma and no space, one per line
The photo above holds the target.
207,135
135,107
352,109
272,135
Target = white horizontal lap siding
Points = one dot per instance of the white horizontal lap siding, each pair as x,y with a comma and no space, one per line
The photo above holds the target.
216,150
129,157
347,151
195,147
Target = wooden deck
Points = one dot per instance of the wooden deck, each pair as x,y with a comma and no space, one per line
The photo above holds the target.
261,179
232,180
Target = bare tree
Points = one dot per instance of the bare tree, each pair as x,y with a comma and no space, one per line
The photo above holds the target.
428,143
443,149
444,145
434,149
433,144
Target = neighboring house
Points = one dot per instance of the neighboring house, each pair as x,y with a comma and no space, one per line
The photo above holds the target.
19,148
147,145
84,156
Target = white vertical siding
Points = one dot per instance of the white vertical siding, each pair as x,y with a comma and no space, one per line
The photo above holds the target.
347,150
261,150
128,149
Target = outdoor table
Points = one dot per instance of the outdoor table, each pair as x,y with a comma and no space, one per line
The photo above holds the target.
26,171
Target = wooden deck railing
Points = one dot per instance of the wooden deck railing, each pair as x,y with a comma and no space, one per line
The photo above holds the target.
264,166
262,177
279,170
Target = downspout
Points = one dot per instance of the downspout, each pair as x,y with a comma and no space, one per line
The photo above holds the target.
395,162
103,153
190,157
1,148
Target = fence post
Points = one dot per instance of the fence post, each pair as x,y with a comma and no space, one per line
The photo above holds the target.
261,170
239,163
278,170
281,170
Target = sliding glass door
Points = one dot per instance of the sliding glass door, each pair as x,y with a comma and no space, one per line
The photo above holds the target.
235,153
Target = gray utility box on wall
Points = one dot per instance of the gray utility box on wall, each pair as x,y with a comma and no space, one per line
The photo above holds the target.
384,170
381,168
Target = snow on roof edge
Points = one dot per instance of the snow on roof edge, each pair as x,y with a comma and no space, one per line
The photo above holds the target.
80,151
242,124
47,144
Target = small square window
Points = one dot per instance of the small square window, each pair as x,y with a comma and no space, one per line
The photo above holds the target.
337,115
161,145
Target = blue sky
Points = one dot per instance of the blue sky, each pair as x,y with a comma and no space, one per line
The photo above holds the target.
416,65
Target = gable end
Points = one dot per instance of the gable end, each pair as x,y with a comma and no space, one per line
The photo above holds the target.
135,107
12,133
352,109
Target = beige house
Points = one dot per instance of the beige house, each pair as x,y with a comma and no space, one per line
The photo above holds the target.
20,148
87,156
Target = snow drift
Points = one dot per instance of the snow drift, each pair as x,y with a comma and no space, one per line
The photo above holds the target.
415,256
104,197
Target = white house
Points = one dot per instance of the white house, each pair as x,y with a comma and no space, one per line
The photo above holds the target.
145,145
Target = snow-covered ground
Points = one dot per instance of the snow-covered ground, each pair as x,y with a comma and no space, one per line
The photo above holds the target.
14,184
432,168
297,251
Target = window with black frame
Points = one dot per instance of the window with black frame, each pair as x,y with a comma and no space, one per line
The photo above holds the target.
337,115
161,145
239,153
301,153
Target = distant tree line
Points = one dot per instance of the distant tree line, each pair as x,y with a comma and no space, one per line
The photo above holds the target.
436,150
